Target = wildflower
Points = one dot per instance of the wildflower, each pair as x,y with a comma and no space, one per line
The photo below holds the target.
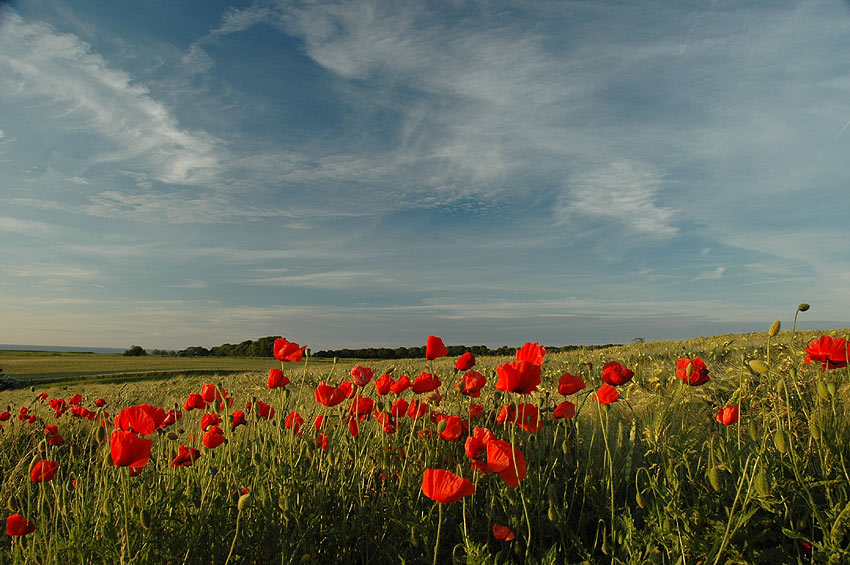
294,421
607,394
322,442
129,450
263,410
507,462
209,393
43,471
327,395
100,402
143,419
4,416
521,377
727,415
401,385
472,382
476,444
476,411
454,428
195,400
288,351
76,399
213,437
426,382
17,526
698,372
832,352
570,384
465,362
503,533
383,384
186,456
564,410
210,419
348,388
615,374
276,379
237,419
417,409
435,348
361,375
444,486
362,407
531,352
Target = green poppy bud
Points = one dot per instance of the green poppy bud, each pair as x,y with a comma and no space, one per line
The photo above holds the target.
243,501
823,392
831,389
774,328
758,366
640,500
762,486
802,307
814,429
779,441
715,479
145,519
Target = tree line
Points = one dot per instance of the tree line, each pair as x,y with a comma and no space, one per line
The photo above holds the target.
264,347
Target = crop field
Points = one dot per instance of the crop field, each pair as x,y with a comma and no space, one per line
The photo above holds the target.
725,449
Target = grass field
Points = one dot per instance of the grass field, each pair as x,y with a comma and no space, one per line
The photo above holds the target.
653,477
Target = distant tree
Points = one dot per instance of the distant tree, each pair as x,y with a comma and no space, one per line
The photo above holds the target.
638,340
135,351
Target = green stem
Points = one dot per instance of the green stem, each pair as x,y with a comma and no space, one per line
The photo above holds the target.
439,525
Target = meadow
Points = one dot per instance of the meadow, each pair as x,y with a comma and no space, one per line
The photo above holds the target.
726,449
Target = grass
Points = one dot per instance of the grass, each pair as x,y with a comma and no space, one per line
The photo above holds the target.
652,478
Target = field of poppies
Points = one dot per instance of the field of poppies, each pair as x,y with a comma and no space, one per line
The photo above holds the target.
731,449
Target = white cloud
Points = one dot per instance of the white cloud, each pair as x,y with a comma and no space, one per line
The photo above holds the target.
710,275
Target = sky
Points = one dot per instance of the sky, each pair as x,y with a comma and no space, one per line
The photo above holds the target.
177,173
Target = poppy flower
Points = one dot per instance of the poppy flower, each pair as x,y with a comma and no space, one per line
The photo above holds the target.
503,533
100,402
237,419
472,383
832,352
129,450
353,427
209,419
76,399
531,352
79,411
607,394
276,379
615,374
564,410
402,384
41,397
348,388
509,464
4,416
143,419
362,407
475,411
213,437
465,362
435,348
263,410
322,442
23,413
521,377
318,422
288,351
476,444
727,415
698,372
454,428
50,430
570,384
294,421
194,401
361,375
328,395
383,384
209,393
43,471
416,409
186,456
444,486
17,526
426,382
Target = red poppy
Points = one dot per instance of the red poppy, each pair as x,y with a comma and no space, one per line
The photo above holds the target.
129,450
143,419
476,444
209,393
521,377
455,427
435,348
699,372
444,486
327,395
832,352
607,394
41,397
509,464
362,407
348,388
361,375
213,437
322,442
531,352
318,421
263,410
399,408
401,385
565,409
426,382
209,419
417,409
195,400
100,402
22,413
570,384
81,412
353,427
17,526
616,374
294,421
383,384
43,471
503,533
276,379
475,411
185,456
76,399
727,415
472,383
237,419
4,416
51,430
465,362
288,351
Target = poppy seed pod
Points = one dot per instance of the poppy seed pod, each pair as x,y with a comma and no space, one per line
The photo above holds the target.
243,501
803,307
758,366
774,328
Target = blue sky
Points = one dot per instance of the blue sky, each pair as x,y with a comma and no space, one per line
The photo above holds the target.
353,174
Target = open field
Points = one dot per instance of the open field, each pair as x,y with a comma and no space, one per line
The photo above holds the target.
652,477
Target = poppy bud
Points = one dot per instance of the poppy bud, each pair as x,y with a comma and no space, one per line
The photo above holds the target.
753,431
792,372
831,389
306,558
553,514
414,542
243,501
689,370
552,493
780,386
774,328
441,427
758,366
814,429
822,391
172,436
761,484
12,504
779,441
282,504
803,307
715,479
101,434
565,447
639,499
145,519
